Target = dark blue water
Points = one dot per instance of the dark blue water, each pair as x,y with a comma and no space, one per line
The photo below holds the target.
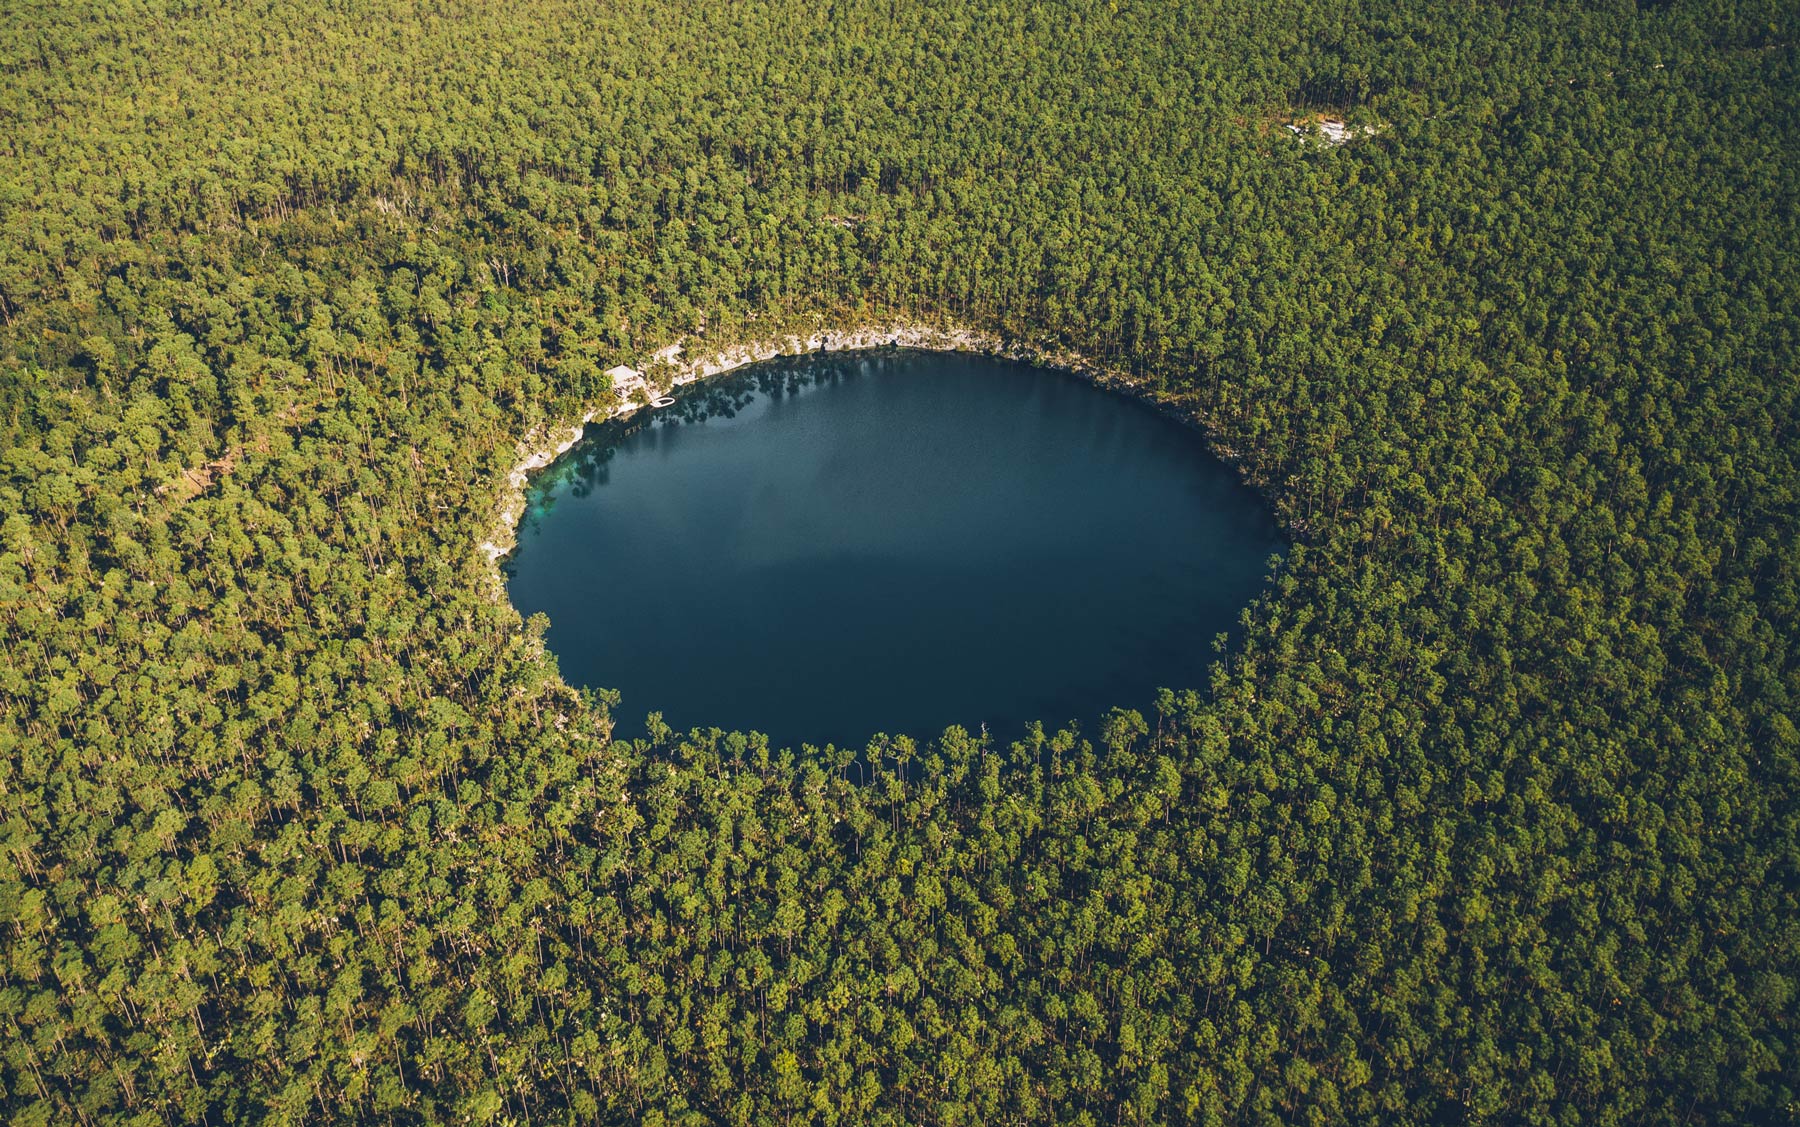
827,548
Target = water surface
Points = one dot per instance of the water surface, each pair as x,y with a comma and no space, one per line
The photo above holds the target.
825,548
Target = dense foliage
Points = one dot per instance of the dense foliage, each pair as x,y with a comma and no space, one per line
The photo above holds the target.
1491,815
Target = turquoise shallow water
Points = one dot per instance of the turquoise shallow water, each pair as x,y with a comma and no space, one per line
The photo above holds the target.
825,548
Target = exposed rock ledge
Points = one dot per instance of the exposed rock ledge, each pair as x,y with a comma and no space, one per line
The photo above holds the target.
667,369
512,497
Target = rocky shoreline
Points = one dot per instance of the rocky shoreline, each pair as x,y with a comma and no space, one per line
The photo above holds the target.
667,369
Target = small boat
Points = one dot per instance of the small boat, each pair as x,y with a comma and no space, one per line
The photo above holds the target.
663,401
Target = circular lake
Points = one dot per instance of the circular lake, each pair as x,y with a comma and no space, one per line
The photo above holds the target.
825,548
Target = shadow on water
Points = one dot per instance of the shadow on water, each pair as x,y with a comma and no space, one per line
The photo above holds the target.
584,467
